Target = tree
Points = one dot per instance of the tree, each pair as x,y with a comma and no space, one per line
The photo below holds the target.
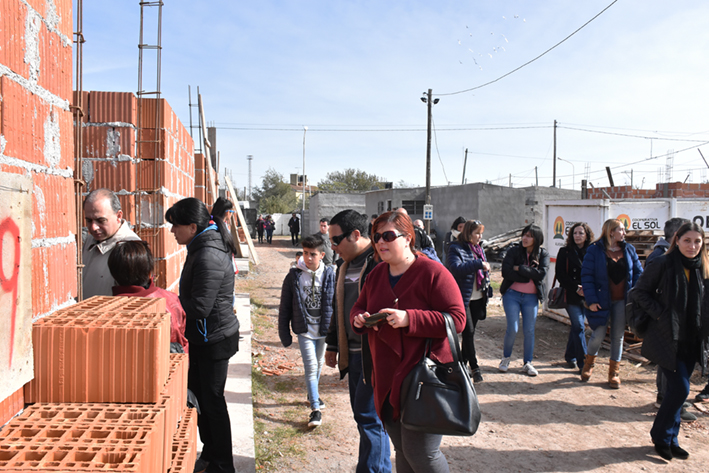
350,180
402,184
275,195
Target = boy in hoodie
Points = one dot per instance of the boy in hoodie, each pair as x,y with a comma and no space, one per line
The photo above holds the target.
306,308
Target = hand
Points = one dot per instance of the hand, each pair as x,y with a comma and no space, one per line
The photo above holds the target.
397,318
515,268
594,307
579,291
486,266
331,359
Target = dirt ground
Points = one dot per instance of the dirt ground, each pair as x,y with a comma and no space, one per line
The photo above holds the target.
549,423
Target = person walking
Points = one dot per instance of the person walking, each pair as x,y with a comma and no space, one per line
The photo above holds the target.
523,287
294,226
260,225
212,329
269,226
452,234
673,293
610,269
413,291
468,265
306,307
569,260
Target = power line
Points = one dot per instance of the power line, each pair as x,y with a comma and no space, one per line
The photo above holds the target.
630,136
383,129
531,61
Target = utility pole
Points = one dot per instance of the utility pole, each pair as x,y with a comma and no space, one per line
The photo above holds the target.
430,103
250,158
553,180
465,162
536,177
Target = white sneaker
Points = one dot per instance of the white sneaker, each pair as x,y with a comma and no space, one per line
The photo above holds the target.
504,364
529,369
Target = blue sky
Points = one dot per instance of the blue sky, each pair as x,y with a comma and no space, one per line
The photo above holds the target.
354,72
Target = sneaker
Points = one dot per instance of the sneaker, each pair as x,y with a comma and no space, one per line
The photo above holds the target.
687,416
703,396
200,465
504,364
572,365
477,376
529,370
321,403
315,418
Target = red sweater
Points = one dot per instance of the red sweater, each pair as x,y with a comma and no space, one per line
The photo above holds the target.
172,302
425,290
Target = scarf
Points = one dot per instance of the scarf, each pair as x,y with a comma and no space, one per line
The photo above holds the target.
480,275
688,303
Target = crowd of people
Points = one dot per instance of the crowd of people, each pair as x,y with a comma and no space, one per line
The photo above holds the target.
356,267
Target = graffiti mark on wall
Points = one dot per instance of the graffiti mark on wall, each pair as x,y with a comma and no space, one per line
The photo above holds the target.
10,270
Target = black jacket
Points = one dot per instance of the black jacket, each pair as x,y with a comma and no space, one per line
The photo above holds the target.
207,290
570,279
517,256
656,291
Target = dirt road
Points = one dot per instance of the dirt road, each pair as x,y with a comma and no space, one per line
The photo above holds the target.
549,423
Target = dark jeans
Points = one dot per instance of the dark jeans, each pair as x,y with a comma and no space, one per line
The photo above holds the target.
269,236
415,451
374,449
576,346
294,238
206,379
473,312
665,429
260,235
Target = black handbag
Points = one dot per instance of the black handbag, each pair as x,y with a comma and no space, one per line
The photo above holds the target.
439,398
557,295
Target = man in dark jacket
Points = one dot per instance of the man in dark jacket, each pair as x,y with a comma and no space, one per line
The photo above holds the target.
294,225
348,350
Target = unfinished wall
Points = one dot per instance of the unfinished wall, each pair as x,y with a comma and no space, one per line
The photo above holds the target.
110,160
666,189
325,205
36,141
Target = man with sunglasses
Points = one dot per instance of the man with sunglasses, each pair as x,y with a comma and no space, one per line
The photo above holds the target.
348,350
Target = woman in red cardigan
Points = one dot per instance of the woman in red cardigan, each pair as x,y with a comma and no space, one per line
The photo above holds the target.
413,291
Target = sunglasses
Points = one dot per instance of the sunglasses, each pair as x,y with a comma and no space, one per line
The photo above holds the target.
336,240
386,236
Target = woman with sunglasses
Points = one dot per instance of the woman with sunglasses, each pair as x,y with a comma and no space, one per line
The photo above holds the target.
466,261
523,287
610,269
672,291
412,291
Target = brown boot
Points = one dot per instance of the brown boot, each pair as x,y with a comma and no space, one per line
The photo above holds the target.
614,374
588,365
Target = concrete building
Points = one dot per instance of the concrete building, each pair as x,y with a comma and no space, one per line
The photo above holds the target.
326,205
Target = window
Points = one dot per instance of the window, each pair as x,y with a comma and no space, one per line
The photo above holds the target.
388,205
380,208
413,207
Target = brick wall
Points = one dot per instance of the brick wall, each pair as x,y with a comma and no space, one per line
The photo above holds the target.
669,189
36,140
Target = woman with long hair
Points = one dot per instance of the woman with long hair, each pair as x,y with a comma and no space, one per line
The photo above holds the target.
466,261
206,294
569,260
672,292
413,291
452,234
523,287
610,269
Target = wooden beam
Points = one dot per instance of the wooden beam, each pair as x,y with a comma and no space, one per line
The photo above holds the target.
242,221
207,154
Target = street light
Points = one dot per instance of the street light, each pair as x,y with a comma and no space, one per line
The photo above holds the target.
573,171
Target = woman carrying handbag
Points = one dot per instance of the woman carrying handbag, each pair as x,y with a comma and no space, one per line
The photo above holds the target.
673,293
568,271
411,292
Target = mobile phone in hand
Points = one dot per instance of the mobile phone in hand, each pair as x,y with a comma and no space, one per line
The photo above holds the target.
375,319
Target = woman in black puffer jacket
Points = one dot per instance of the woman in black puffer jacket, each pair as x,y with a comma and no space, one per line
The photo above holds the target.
673,293
206,294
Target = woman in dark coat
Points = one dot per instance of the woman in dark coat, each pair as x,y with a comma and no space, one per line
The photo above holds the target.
610,269
673,294
467,263
523,271
569,260
206,294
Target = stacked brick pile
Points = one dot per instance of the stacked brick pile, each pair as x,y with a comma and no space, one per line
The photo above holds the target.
110,156
202,188
109,395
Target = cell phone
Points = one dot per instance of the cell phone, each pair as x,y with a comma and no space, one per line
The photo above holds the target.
375,319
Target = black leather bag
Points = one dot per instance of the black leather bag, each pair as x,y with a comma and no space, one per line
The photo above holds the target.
557,298
439,398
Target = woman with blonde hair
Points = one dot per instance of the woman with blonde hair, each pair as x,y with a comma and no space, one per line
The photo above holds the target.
412,291
610,269
672,293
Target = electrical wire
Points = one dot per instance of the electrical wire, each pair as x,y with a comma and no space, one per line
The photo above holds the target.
531,61
628,135
435,140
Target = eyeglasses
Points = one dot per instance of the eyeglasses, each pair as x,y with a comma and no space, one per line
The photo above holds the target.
386,236
336,240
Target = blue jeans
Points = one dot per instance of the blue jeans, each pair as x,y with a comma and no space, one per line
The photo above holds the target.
515,302
374,452
665,429
313,353
576,346
617,321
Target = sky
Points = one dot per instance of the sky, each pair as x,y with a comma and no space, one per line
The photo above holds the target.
628,90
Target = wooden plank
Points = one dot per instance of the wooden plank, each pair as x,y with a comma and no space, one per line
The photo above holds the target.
242,220
208,155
